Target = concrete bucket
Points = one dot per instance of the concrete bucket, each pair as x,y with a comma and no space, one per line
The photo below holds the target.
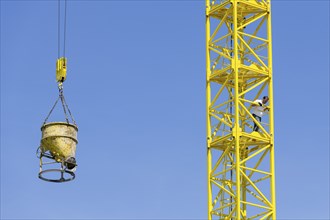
60,139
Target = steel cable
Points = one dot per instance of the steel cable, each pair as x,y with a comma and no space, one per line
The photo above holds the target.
64,38
58,28
51,110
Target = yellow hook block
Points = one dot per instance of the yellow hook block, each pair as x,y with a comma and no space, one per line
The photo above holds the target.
61,69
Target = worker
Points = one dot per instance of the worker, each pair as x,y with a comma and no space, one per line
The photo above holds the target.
259,109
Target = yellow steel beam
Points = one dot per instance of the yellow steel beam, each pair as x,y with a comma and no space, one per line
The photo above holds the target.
236,132
267,202
218,27
224,171
254,86
208,117
254,4
271,113
223,188
219,92
258,215
257,205
251,50
252,19
222,104
253,36
255,170
221,119
257,197
220,159
257,29
257,164
220,53
217,8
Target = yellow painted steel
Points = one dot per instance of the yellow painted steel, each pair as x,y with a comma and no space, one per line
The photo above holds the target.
208,117
240,160
61,69
60,139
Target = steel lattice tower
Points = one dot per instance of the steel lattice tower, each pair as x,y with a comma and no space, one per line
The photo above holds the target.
241,180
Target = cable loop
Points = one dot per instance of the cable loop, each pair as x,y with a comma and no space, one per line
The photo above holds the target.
64,106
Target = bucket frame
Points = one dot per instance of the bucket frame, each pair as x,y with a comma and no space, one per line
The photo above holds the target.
62,170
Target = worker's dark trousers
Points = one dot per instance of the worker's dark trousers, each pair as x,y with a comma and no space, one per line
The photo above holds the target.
255,127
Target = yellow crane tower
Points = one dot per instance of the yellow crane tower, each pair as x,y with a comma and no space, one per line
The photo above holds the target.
240,148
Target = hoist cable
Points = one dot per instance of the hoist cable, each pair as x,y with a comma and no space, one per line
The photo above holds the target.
58,28
64,28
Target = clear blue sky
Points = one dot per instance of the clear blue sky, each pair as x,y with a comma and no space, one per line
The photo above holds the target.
136,86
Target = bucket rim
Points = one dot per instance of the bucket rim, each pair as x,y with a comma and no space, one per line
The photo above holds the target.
59,123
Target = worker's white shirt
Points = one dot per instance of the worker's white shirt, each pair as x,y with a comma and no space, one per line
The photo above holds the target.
258,110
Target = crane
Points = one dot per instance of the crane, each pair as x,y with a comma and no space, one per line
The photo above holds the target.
240,158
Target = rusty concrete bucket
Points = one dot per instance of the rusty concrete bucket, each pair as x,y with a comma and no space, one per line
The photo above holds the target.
58,142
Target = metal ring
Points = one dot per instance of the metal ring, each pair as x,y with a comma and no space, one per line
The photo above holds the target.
57,180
